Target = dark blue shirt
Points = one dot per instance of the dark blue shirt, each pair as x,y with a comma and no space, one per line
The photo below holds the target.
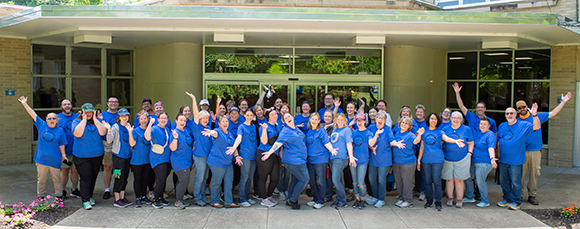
48,145
512,142
360,144
218,157
248,146
407,155
482,144
161,137
383,156
65,122
432,146
202,143
293,140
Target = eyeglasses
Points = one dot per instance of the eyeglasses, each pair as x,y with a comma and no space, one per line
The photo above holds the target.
165,119
479,107
510,113
112,101
522,108
51,118
446,112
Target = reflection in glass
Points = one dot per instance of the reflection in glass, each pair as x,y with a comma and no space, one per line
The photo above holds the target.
369,94
496,95
119,62
234,93
48,59
468,95
498,117
86,61
281,92
120,88
533,92
495,65
338,61
47,91
310,94
462,65
533,64
86,90
248,60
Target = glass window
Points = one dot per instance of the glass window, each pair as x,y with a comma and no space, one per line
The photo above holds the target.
496,95
86,61
248,60
338,61
86,90
533,92
311,94
47,91
495,65
234,92
462,65
498,117
352,94
119,62
281,92
533,64
48,59
121,88
468,95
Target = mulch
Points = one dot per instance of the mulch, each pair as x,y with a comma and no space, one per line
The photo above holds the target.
45,219
554,217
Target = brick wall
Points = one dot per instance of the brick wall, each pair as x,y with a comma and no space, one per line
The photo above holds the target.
15,124
564,73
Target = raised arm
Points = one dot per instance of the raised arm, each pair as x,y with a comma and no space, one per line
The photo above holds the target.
264,135
100,127
236,144
337,103
361,109
534,112
262,95
561,105
217,107
80,128
31,112
457,89
147,133
373,140
194,109
173,145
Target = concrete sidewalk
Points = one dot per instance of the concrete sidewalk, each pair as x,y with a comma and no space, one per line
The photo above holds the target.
558,188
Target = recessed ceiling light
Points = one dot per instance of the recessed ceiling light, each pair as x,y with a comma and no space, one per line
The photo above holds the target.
524,58
525,67
507,62
496,54
351,62
222,60
457,58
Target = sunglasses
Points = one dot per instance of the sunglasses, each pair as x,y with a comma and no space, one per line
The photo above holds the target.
510,113
522,108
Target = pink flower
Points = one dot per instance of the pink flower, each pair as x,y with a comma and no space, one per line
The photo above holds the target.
48,197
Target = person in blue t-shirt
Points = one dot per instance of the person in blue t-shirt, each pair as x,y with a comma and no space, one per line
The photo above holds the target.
511,149
159,157
220,162
445,118
361,138
88,151
534,143
293,158
246,139
140,161
430,160
351,115
118,136
50,150
302,119
420,122
341,139
268,133
405,161
109,116
473,119
330,104
482,160
66,117
405,112
181,159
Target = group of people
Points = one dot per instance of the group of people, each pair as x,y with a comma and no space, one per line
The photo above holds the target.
282,153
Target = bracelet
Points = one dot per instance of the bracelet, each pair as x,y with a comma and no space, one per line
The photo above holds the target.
534,116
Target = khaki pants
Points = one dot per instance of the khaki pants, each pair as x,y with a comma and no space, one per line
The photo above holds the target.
41,180
532,165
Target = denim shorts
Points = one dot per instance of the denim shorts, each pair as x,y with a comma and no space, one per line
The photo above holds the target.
458,170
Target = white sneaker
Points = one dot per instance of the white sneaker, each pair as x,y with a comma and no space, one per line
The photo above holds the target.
379,204
310,203
251,201
282,196
399,203
482,204
422,197
406,204
467,200
318,206
245,204
267,203
272,200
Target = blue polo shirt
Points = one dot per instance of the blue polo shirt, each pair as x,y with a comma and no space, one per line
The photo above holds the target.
512,142
360,143
218,157
406,155
452,152
65,122
293,140
315,141
432,146
90,144
473,121
48,145
384,156
141,148
339,138
482,144
182,158
248,146
534,141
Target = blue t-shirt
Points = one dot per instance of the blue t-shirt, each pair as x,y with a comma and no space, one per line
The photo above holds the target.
452,152
384,156
481,150
233,127
414,129
271,132
360,144
443,125
473,121
263,120
322,110
90,144
188,126
111,118
300,119
534,141
293,140
432,146
202,143
339,138
182,158
136,121
315,141
218,157
512,142
406,155
141,148
421,123
159,136
65,122
48,145
125,147
248,147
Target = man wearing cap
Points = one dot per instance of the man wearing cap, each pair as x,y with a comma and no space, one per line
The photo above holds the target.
328,105
204,106
533,161
66,118
146,105
110,116
473,119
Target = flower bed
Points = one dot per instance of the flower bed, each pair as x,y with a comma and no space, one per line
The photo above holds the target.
21,214
563,217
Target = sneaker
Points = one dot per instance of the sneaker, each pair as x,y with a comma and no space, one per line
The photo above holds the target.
180,205
531,199
379,204
399,202
165,195
334,204
459,204
428,204
267,203
372,201
421,197
272,200
199,202
482,204
138,203
438,206
164,202
503,203
310,203
126,201
406,204
318,206
106,195
157,204
146,200
76,193
216,205
294,205
468,200
92,201
257,197
251,201
187,196
276,192
282,196
119,203
87,205
339,206
513,206
449,202
232,205
63,194
245,204
361,204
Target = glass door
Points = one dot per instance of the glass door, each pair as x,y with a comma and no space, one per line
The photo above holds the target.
232,92
369,93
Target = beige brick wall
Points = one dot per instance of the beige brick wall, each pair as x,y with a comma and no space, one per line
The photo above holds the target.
15,124
563,80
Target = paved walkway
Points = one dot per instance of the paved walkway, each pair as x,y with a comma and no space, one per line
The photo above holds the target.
558,188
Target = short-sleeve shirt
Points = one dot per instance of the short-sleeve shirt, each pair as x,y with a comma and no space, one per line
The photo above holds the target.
534,141
339,138
159,136
248,146
315,141
360,144
512,142
111,118
65,122
322,110
182,158
202,143
271,132
141,148
90,144
481,149
300,119
407,155
48,145
125,147
432,146
293,141
473,121
383,156
218,157
452,151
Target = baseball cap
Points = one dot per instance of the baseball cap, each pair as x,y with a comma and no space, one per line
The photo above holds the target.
204,102
235,109
147,99
123,111
521,103
88,107
361,116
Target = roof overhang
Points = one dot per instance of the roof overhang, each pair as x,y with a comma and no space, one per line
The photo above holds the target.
135,26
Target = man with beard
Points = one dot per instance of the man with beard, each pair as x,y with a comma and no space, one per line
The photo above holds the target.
110,116
534,146
328,105
473,119
66,118
146,105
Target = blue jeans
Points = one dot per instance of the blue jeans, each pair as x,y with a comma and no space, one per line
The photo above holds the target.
431,175
247,171
380,188
201,174
358,179
227,176
510,178
299,180
479,171
337,165
284,179
317,174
